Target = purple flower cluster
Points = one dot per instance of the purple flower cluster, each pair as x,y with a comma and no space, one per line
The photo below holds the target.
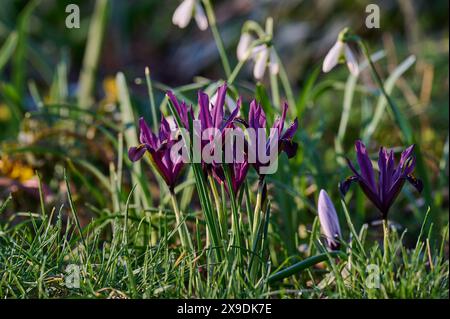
212,116
382,191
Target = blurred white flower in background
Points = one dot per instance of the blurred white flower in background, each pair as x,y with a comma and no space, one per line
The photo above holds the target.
244,45
263,55
341,52
184,12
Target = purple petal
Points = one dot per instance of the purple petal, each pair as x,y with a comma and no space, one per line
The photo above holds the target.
164,129
383,185
290,132
391,196
345,185
136,153
218,107
159,161
289,147
232,116
409,166
406,154
204,114
146,136
252,114
181,109
417,183
174,101
283,118
365,166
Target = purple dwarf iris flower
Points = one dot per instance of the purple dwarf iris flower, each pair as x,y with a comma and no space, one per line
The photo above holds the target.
257,120
181,108
211,115
159,150
329,220
390,178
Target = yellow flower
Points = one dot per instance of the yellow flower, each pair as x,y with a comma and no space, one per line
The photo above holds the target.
110,89
15,170
5,113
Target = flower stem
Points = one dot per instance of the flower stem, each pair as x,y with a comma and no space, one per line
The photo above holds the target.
236,71
219,208
182,228
402,123
217,38
275,90
386,240
257,212
285,82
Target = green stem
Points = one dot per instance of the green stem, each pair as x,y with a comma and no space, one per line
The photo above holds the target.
236,71
182,228
235,212
220,212
386,240
402,123
257,211
285,82
217,38
275,90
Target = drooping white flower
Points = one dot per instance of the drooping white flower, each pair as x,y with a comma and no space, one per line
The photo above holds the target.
329,220
184,12
340,51
264,56
200,17
260,56
243,47
255,44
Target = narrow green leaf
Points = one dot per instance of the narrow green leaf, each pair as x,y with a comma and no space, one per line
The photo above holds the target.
7,50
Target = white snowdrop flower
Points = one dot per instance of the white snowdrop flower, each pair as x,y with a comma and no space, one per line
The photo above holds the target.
200,17
264,57
184,12
340,51
261,56
243,46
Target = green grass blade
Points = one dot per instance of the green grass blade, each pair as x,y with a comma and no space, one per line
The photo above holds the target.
92,53
302,265
7,50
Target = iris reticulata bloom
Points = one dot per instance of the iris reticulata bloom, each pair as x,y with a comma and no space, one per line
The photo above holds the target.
391,178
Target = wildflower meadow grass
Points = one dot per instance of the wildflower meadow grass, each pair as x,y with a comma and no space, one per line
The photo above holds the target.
241,169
